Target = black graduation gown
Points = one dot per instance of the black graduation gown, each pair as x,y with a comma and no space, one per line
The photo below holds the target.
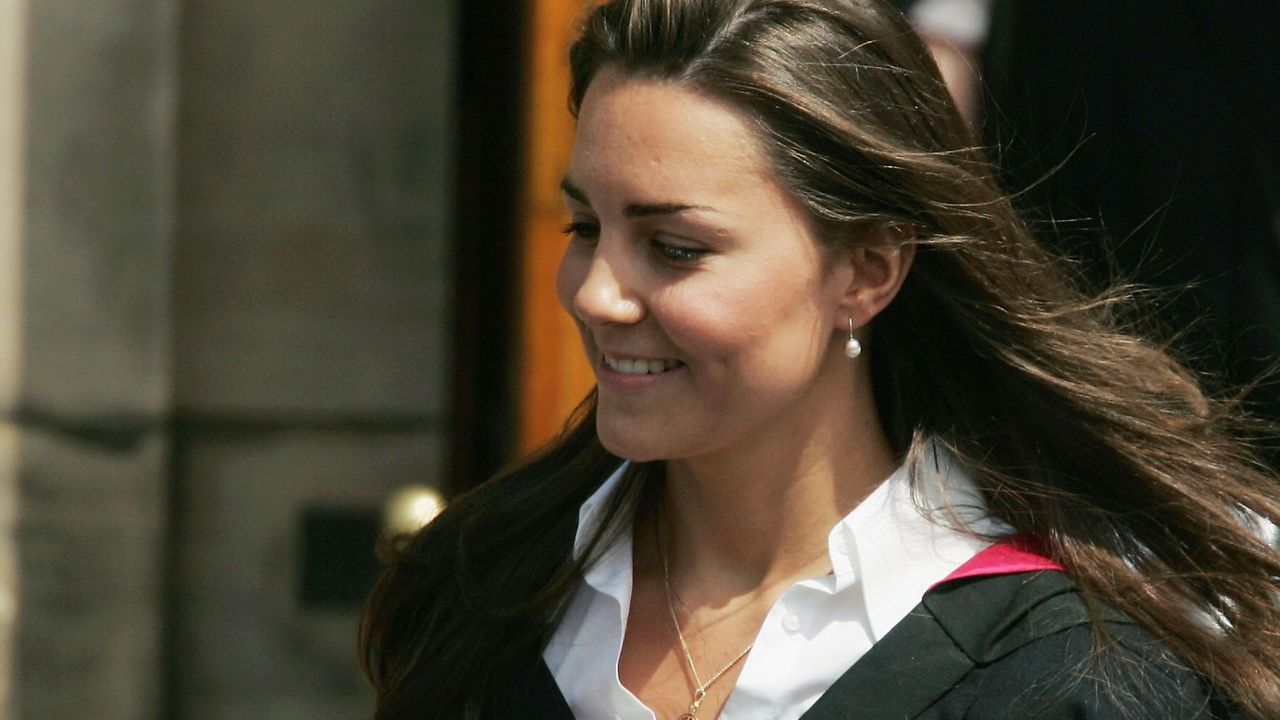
986,648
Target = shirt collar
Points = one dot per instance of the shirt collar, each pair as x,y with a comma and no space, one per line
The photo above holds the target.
611,572
591,514
902,544
892,550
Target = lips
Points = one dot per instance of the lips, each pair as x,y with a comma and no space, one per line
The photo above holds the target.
640,366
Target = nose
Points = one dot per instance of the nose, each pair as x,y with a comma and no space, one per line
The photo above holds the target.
604,290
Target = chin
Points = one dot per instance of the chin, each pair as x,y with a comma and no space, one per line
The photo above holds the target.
630,442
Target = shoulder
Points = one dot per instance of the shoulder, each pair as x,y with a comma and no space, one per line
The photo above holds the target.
1061,676
1037,654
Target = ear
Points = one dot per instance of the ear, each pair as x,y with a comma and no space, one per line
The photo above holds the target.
879,268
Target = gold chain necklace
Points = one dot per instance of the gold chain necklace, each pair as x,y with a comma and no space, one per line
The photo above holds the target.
700,691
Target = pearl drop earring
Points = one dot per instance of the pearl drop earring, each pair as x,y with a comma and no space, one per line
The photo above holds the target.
853,348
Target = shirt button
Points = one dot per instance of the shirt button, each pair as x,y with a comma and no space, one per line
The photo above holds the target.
791,622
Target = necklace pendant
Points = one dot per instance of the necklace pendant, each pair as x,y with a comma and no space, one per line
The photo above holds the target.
692,713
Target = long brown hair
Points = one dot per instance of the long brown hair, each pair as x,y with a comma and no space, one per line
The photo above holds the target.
1076,428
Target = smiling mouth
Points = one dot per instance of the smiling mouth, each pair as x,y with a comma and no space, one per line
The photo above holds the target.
640,366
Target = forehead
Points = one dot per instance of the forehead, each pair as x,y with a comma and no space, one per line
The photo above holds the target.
635,131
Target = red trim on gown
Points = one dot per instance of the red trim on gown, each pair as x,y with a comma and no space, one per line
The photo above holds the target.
1016,554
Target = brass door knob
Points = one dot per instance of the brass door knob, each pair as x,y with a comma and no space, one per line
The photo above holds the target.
407,511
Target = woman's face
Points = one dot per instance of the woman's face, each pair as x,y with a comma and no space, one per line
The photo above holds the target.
704,302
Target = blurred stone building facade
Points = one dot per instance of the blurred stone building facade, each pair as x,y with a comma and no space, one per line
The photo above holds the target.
224,279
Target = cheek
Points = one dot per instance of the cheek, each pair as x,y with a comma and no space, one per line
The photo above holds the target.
719,324
762,332
704,321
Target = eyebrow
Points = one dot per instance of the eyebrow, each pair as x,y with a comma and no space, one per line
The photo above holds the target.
633,210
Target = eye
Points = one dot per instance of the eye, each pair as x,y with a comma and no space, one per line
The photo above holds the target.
678,253
582,230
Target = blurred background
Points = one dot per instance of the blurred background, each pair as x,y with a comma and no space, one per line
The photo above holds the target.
229,254
263,266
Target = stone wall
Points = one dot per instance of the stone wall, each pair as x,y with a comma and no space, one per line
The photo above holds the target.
12,49
86,318
224,280
311,289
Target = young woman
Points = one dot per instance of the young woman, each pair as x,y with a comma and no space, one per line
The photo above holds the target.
858,447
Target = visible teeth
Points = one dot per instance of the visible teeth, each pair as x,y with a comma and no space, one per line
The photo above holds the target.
640,366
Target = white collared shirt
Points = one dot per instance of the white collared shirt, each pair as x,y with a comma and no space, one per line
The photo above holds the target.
884,555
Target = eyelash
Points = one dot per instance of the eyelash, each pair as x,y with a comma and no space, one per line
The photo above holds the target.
581,231
676,254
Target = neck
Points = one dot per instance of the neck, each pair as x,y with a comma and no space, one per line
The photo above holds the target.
760,513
